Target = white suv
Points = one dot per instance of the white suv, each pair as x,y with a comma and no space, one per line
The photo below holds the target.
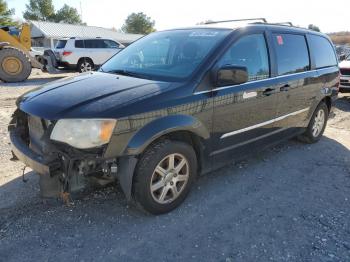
84,54
345,75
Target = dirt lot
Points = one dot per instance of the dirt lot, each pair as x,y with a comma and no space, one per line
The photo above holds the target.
288,203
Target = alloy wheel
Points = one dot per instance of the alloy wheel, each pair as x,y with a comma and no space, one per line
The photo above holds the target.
169,178
318,123
85,67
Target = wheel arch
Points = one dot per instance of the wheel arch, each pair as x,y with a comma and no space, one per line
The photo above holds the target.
85,58
189,138
175,126
328,101
182,128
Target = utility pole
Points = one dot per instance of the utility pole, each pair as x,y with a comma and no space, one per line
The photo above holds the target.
81,12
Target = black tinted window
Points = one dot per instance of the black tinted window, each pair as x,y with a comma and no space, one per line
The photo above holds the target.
79,44
95,43
323,51
251,52
61,44
292,53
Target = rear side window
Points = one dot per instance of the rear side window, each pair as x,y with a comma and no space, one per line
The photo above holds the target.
292,53
79,43
90,44
322,51
250,51
94,43
61,44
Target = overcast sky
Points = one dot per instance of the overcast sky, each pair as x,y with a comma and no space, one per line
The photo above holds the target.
330,16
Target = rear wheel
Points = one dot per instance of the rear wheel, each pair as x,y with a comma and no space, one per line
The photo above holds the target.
316,126
15,65
85,65
164,176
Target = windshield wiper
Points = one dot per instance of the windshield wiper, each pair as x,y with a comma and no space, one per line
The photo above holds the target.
125,73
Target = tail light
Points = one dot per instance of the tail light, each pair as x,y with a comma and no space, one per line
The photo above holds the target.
66,53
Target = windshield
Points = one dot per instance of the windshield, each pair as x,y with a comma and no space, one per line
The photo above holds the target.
61,44
166,55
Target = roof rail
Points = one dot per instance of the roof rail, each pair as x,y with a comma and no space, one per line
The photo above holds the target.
284,23
236,20
257,21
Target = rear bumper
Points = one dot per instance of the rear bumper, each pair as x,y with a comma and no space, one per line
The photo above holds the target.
66,65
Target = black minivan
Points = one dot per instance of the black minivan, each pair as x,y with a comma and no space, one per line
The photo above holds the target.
175,104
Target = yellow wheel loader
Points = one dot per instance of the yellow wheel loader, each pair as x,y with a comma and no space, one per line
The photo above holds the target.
16,62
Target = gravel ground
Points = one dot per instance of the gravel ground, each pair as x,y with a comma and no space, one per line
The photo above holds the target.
288,203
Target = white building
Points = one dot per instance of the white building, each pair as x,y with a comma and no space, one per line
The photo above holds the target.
46,34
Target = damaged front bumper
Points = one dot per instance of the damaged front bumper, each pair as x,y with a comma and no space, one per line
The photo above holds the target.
27,156
50,185
63,169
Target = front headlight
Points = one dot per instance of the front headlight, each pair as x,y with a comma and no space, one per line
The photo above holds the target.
83,133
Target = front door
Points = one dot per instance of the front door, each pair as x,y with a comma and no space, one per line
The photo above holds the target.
244,115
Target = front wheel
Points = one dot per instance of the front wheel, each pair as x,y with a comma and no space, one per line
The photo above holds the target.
316,126
164,176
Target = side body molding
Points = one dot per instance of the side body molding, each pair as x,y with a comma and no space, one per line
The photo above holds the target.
161,126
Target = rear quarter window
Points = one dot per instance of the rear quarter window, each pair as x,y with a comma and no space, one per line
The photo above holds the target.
322,51
292,53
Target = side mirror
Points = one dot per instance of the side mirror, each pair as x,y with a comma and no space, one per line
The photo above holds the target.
231,75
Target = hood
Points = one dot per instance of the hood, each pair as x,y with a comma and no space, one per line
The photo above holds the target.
88,95
344,64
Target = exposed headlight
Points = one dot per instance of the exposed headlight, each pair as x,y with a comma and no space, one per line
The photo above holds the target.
83,133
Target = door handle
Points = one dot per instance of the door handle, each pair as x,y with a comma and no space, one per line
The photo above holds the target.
285,88
268,91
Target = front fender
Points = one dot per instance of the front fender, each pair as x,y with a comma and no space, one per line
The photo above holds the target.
161,126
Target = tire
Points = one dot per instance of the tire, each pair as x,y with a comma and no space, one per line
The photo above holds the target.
85,65
311,136
15,65
163,200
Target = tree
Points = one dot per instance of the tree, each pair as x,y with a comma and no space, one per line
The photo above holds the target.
68,15
6,14
40,10
44,10
138,23
314,27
